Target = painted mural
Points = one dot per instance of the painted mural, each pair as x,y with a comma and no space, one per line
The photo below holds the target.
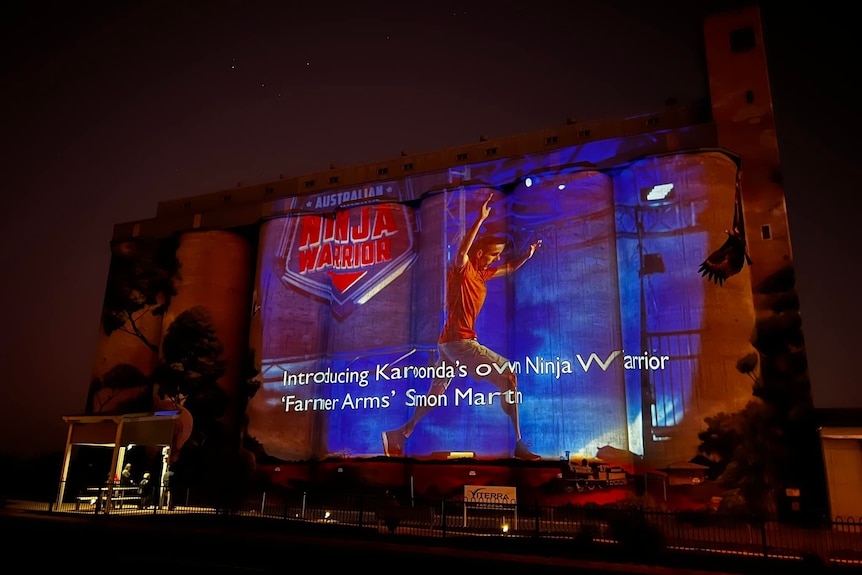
594,323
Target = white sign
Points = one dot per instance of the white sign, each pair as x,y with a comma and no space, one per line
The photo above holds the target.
490,495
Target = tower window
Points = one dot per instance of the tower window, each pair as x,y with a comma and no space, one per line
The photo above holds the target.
407,167
490,151
551,140
584,134
309,183
382,171
766,232
749,96
333,179
742,40
461,157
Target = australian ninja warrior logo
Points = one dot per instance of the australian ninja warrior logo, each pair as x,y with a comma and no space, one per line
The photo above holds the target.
349,256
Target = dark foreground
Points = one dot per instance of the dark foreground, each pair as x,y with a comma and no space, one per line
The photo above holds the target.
233,545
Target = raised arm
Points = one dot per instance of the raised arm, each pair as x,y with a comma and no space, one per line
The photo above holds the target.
512,265
472,232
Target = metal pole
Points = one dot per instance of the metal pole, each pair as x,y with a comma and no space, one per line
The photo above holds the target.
538,510
64,471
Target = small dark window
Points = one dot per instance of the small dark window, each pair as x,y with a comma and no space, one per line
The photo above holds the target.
490,151
766,232
268,191
742,39
652,121
228,198
333,179
584,134
749,96
407,167
309,183
462,157
187,205
551,140
382,171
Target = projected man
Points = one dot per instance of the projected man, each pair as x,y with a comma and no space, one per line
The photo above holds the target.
466,291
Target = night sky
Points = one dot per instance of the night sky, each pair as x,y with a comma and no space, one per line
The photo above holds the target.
110,107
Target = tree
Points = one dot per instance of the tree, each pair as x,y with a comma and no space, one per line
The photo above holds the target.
189,375
192,363
120,377
141,281
772,443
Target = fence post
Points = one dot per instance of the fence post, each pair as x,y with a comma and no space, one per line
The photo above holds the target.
538,529
443,516
763,538
361,507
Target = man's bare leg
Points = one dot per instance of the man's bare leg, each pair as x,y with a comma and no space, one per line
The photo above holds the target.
510,407
393,440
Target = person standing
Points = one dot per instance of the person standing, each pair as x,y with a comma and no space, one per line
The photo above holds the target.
458,341
126,479
146,490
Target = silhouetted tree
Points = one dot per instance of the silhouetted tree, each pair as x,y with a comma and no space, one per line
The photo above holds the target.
188,375
772,443
120,377
142,272
192,364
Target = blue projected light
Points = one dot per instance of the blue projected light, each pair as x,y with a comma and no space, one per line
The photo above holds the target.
616,250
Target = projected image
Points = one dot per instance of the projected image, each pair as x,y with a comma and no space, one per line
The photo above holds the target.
576,330
531,313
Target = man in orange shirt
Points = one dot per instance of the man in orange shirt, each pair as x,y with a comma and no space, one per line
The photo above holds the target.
458,341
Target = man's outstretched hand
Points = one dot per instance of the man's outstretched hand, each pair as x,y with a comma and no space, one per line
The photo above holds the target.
534,246
486,206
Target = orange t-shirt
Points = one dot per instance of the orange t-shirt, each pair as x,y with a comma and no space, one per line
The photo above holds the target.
466,292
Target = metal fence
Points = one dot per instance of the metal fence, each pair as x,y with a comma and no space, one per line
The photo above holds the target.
641,532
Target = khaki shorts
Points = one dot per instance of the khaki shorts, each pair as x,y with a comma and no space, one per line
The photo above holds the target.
472,354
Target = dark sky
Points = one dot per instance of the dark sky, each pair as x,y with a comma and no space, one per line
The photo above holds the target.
110,107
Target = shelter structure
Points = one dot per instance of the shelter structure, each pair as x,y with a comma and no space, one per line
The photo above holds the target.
117,433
